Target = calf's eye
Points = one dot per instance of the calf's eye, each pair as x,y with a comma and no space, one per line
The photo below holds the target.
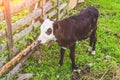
49,31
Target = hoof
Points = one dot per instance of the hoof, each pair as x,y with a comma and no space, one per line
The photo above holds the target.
89,49
88,52
77,70
59,65
93,52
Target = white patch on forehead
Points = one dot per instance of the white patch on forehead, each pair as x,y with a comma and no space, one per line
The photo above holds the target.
47,24
44,37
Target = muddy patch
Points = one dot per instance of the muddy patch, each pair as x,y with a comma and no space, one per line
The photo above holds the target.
86,74
78,75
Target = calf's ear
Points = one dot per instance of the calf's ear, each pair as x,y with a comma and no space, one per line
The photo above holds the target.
41,20
57,26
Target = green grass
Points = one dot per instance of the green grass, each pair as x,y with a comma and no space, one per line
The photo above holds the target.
45,67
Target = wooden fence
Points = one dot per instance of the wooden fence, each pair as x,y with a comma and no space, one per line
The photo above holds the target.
48,9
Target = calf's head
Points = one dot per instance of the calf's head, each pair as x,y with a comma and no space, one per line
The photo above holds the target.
46,31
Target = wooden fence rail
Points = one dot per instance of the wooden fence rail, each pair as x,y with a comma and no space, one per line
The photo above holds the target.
1,3
18,7
27,20
49,8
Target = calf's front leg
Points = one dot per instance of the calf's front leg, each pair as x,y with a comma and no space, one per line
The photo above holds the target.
62,52
72,55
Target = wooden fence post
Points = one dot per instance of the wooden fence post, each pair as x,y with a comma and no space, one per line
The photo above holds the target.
76,5
58,11
43,10
7,13
68,1
32,8
39,4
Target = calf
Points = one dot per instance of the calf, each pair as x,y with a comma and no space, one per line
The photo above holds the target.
66,32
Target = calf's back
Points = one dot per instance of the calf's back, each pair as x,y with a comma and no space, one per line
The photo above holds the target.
77,27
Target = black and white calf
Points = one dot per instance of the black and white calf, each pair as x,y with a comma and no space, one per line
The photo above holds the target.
66,32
